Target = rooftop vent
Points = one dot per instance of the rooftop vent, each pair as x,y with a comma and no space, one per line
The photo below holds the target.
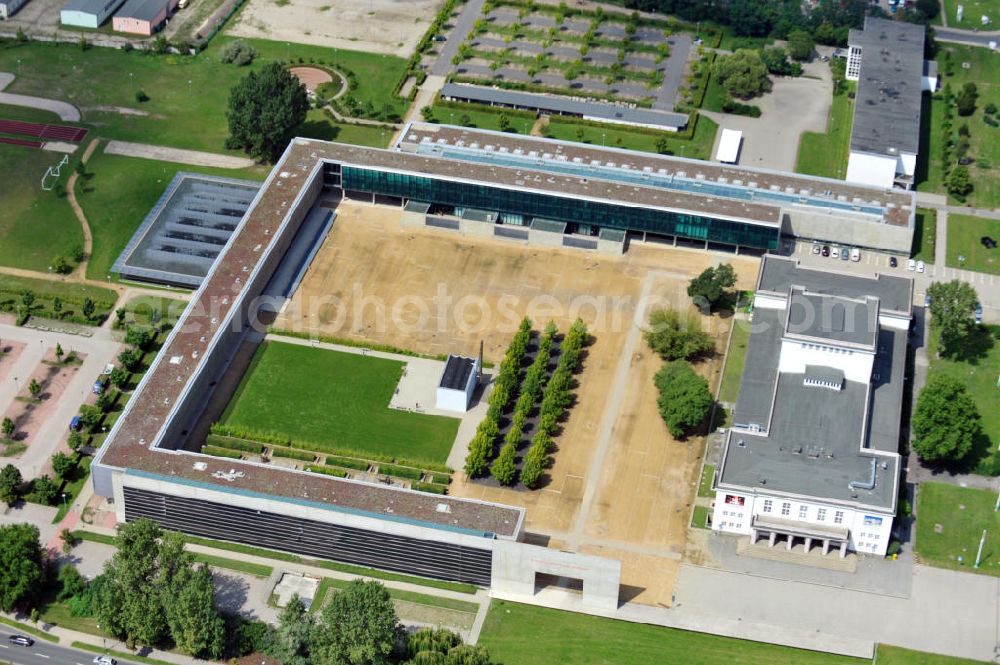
200,466
176,360
443,508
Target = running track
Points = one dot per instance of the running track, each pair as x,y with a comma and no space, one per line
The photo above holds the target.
51,132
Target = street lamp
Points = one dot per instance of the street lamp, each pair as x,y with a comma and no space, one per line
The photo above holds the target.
64,502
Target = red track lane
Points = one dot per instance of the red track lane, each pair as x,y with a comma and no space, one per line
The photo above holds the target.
30,144
54,132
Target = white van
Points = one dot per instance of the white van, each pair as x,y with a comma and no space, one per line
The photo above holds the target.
855,254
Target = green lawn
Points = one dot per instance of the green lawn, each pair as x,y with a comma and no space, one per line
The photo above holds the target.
963,513
529,635
335,399
735,361
984,139
256,569
705,482
925,235
72,487
979,375
930,172
328,583
888,655
118,192
481,119
697,147
71,295
964,233
825,154
699,518
319,125
715,95
35,225
971,17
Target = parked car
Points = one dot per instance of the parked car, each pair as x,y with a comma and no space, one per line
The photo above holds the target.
110,367
816,248
21,640
920,266
855,254
927,300
835,252
440,38
75,424
98,387
844,254
979,312
911,265
826,250
104,660
893,262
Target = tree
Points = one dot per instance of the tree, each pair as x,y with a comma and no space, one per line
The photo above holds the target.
43,491
8,428
59,349
966,102
504,468
265,107
443,647
710,286
946,421
503,122
743,74
359,627
34,388
290,643
10,484
958,181
776,61
22,573
129,360
140,338
62,464
800,45
27,299
56,305
675,339
61,265
685,399
952,307
750,18
118,377
195,625
71,582
88,308
90,417
74,441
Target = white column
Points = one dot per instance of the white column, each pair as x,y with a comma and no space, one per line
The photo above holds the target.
809,542
826,546
771,538
843,549
791,542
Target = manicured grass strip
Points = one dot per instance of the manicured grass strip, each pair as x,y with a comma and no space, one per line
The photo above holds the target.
101,538
963,513
30,629
59,614
925,235
72,488
705,485
888,655
699,518
529,635
328,583
248,567
395,577
335,399
729,391
964,234
222,452
244,549
697,147
124,655
825,154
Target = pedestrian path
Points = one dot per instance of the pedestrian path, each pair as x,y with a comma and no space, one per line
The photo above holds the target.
66,112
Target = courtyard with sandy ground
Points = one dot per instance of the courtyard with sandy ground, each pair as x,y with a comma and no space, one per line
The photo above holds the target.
620,485
391,27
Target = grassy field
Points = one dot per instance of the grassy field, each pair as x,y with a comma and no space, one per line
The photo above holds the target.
73,486
118,192
715,96
826,154
971,17
984,139
337,399
888,655
735,361
187,95
979,375
697,147
328,583
45,289
925,235
319,125
256,569
964,233
35,225
963,513
528,635
481,119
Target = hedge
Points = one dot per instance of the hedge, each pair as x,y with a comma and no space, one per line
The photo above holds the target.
234,444
430,487
440,478
486,108
292,454
221,452
400,471
348,463
326,470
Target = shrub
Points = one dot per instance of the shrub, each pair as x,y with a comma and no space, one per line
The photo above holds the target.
504,469
685,399
221,452
234,444
348,463
400,471
440,478
326,470
430,487
293,454
238,53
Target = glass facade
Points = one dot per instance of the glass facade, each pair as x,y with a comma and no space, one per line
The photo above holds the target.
575,212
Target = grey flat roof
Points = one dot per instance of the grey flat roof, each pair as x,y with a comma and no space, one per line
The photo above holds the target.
566,105
753,406
832,318
888,375
142,10
887,107
457,372
824,374
85,6
778,274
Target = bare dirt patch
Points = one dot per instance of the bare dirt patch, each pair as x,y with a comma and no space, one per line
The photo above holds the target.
10,352
643,491
29,414
392,27
311,77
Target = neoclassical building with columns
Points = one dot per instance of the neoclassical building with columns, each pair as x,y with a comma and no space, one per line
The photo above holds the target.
813,457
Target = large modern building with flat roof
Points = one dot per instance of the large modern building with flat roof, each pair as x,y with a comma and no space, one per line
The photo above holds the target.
886,58
812,456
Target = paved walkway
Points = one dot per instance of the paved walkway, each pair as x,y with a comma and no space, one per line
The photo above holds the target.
65,111
165,154
941,238
88,238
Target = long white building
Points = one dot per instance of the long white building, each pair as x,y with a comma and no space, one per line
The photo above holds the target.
812,456
887,61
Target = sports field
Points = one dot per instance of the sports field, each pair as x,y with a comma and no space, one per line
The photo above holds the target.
335,399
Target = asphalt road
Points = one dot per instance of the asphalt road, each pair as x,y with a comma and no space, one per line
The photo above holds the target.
43,653
965,36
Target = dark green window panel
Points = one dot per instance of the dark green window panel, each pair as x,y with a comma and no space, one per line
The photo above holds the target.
573,211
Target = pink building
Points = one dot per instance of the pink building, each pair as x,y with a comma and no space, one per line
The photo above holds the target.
143,17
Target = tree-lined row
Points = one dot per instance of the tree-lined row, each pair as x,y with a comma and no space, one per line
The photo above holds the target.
504,468
504,390
556,399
